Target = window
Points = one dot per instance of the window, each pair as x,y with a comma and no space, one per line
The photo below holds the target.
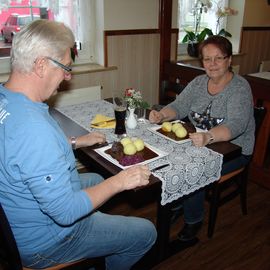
72,12
186,16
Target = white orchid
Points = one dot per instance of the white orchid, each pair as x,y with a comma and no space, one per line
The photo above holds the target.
201,6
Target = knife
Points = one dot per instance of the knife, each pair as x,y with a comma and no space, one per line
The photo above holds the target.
160,167
102,122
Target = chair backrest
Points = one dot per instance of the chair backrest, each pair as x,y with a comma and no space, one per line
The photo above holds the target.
235,69
9,253
264,66
259,114
169,90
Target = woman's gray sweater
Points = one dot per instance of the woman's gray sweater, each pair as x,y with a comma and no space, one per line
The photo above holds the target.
233,107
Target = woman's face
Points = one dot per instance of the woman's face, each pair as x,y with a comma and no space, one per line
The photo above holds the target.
216,64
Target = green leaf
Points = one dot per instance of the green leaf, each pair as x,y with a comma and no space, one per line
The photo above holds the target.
224,33
144,105
190,36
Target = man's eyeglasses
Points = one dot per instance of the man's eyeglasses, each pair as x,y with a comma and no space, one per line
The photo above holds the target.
66,68
216,59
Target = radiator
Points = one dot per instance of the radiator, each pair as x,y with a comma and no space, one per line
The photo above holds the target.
75,96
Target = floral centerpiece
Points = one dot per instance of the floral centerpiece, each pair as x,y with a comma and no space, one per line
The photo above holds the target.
134,99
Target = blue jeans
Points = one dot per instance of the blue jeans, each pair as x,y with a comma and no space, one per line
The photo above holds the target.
122,240
193,204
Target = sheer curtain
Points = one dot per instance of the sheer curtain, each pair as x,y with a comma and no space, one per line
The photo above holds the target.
53,5
79,15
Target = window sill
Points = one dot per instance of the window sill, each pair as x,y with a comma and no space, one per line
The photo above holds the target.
76,69
90,68
4,77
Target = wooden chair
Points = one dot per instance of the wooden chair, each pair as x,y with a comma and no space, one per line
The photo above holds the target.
169,90
235,182
10,257
235,69
264,66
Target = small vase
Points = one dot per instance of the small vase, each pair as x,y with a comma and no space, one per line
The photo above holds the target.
131,119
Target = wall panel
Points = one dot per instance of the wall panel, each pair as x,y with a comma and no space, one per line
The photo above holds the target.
136,57
255,44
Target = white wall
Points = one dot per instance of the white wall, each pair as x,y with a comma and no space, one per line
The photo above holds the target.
235,23
99,49
131,14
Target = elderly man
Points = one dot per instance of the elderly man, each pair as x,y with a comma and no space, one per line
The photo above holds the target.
52,208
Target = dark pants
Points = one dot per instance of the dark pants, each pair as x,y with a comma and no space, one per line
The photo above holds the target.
193,204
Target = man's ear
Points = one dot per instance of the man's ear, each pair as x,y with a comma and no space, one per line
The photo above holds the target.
40,67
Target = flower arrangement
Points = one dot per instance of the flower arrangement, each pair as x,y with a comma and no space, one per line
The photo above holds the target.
201,6
134,99
221,13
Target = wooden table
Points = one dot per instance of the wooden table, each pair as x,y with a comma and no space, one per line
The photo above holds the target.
260,86
163,247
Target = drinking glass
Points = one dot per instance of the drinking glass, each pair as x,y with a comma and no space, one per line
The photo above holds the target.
120,110
141,113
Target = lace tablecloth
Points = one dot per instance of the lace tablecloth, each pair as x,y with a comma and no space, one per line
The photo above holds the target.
190,168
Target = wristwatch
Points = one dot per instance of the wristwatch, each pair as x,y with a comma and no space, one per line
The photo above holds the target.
73,142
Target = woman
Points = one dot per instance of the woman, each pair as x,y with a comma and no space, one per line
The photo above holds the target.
221,103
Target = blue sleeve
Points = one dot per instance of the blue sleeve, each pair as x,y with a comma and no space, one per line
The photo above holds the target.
46,164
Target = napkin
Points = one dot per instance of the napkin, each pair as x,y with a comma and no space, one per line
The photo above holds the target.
101,121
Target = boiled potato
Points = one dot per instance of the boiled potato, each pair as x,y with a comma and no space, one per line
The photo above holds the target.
139,144
166,126
175,126
130,149
181,132
125,141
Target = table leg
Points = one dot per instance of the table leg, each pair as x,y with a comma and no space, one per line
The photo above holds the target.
163,230
164,247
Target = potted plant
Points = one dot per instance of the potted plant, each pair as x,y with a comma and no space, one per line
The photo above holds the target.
193,38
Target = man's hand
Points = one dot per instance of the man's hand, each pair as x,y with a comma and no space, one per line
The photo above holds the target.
90,139
133,177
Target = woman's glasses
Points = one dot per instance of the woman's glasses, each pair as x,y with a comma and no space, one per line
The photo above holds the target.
216,59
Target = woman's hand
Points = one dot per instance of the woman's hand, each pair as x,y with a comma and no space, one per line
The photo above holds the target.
217,134
166,114
155,117
199,139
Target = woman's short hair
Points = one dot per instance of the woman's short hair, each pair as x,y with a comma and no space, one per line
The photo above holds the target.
220,42
40,38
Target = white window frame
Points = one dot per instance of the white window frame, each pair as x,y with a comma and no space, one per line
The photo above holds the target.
84,30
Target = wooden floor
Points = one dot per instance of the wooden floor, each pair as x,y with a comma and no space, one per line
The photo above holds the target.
239,242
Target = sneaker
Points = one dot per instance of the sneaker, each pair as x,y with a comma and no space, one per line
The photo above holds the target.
189,231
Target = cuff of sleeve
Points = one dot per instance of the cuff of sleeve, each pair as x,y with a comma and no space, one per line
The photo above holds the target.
210,138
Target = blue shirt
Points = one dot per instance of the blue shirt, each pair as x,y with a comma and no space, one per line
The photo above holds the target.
37,168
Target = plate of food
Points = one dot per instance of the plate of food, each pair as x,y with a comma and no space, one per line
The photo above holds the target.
176,131
130,151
